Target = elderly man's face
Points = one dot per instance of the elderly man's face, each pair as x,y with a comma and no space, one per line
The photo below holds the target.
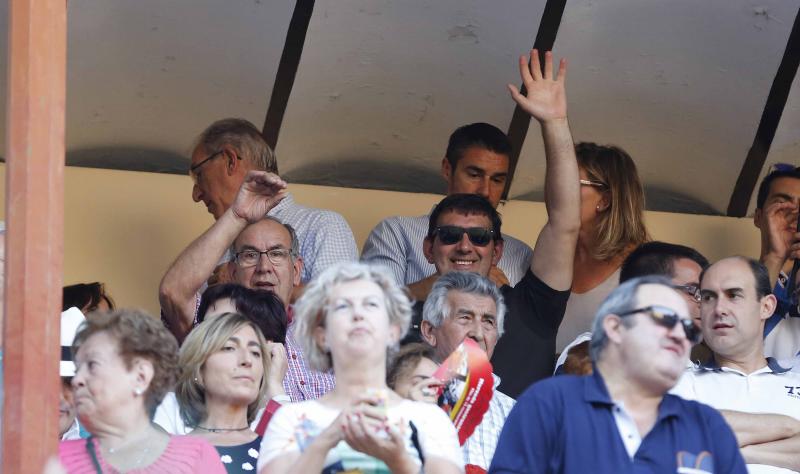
471,316
463,256
279,278
651,352
215,183
732,314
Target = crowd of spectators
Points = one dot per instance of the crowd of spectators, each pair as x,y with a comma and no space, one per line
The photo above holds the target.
278,351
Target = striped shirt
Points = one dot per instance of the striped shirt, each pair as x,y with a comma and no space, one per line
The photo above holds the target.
325,237
396,243
480,446
301,383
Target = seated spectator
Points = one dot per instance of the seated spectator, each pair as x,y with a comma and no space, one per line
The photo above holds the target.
464,235
349,319
68,425
777,208
223,382
465,305
755,394
126,361
230,148
612,225
476,162
87,297
681,264
411,373
266,258
621,418
265,308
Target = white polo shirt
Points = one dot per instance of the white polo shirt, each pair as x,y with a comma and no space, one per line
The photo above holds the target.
771,389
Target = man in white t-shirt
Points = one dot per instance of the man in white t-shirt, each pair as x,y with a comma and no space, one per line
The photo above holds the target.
759,399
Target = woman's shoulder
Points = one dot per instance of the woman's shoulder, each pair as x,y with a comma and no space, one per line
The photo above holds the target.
189,452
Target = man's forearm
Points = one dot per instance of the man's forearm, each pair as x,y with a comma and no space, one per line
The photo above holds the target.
774,265
555,248
758,428
783,453
193,267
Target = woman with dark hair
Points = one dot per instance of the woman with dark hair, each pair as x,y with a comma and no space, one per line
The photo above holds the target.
264,307
612,225
87,297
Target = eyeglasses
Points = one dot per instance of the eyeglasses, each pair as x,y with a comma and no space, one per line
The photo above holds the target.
193,169
669,318
596,184
250,258
452,234
691,290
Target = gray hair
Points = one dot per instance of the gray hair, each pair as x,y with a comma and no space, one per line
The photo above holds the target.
310,309
244,137
294,245
621,300
436,307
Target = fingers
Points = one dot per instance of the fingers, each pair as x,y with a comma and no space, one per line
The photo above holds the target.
524,71
265,178
536,68
562,70
548,65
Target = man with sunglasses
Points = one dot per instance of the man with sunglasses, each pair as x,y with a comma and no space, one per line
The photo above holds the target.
759,399
464,235
777,207
621,418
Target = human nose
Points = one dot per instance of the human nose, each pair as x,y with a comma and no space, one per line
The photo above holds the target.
465,244
245,357
264,264
483,187
476,331
197,194
78,379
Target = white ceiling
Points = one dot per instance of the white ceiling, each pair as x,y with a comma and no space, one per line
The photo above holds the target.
680,85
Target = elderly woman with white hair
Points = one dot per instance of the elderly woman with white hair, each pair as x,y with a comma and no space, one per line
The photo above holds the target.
349,319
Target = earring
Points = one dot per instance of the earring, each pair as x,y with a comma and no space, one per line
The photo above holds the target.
137,391
598,208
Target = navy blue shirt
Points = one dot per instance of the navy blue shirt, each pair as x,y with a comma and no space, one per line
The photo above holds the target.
565,425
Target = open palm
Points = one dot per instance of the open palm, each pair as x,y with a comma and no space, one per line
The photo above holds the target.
545,98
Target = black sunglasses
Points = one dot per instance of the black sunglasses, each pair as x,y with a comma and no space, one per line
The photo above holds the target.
451,234
669,318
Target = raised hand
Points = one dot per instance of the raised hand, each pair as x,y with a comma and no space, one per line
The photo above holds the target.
782,236
278,365
260,192
545,97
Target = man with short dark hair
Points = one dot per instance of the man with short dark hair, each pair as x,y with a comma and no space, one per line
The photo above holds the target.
777,207
476,162
621,418
464,235
754,393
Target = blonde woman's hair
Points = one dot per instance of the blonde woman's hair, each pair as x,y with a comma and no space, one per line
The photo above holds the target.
310,308
621,225
204,340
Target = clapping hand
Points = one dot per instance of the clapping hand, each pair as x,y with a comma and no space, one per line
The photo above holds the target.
545,98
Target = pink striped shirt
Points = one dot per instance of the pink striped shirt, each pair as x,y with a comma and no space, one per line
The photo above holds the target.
184,455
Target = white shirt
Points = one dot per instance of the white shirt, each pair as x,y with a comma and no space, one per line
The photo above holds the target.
480,446
770,389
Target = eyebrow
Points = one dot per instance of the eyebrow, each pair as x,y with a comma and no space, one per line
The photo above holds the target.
785,196
250,247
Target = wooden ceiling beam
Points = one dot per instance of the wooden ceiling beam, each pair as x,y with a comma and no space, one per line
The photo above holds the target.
520,121
287,70
770,119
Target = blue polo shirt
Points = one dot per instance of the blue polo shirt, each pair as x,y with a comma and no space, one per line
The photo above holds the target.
565,424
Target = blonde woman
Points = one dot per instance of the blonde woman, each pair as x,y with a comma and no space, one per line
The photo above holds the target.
222,386
612,225
349,319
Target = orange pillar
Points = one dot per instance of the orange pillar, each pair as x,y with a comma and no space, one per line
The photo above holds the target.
35,101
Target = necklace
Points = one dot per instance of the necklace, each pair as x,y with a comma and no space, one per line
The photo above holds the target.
221,430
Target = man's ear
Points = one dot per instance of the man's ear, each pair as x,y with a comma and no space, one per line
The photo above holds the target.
233,162
427,249
499,245
298,270
612,325
426,330
447,170
757,216
768,305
